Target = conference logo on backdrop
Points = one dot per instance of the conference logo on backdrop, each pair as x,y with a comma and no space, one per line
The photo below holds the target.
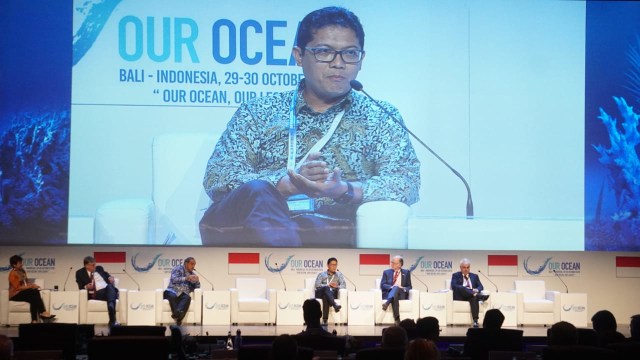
299,266
546,267
145,263
64,307
216,306
435,266
34,265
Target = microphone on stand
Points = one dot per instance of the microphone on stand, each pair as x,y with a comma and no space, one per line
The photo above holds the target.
357,86
205,279
562,281
282,279
345,276
486,277
421,282
64,288
132,279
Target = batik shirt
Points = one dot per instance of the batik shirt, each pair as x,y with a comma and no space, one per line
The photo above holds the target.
368,146
178,283
323,279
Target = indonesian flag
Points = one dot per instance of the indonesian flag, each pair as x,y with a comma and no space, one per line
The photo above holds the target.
374,264
244,263
112,261
627,266
503,265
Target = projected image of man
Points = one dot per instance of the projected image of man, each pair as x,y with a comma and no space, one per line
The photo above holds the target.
292,168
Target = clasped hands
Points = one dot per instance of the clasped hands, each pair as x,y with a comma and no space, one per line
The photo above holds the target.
315,179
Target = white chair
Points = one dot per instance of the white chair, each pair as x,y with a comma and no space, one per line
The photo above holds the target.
536,306
177,202
17,312
409,308
95,311
380,222
252,302
459,312
343,300
163,309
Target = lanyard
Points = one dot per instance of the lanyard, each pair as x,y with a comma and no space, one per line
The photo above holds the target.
293,144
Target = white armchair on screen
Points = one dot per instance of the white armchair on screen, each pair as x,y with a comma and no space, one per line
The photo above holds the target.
177,202
459,312
18,312
252,302
95,311
378,223
163,309
409,308
341,317
536,305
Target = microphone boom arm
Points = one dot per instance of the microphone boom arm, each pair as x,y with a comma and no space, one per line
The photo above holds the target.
356,85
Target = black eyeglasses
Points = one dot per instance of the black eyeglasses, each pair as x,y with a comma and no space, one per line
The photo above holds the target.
327,55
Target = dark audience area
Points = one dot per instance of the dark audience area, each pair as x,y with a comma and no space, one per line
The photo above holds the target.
410,340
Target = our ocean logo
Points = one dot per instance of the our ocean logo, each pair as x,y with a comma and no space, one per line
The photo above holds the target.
574,308
277,268
431,267
145,267
532,270
290,306
141,307
433,307
216,306
64,307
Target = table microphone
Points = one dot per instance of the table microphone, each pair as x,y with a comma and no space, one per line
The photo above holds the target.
357,86
205,279
131,277
562,281
64,288
345,276
486,277
282,279
421,282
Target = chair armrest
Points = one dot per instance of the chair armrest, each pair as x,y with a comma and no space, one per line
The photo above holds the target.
233,305
83,302
123,304
4,306
273,301
159,300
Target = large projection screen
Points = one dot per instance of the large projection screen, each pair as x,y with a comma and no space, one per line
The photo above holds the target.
496,88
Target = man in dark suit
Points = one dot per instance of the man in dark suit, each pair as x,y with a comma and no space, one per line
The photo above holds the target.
395,286
466,286
99,285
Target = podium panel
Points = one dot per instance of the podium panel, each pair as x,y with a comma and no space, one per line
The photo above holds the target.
216,307
141,308
65,306
289,309
361,308
506,302
573,309
434,304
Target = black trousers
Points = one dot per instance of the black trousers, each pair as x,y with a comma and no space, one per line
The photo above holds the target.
328,296
32,296
256,214
110,295
466,294
394,296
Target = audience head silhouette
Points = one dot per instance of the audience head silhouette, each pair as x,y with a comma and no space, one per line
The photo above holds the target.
284,347
634,327
604,320
428,328
311,312
394,337
563,334
493,319
422,349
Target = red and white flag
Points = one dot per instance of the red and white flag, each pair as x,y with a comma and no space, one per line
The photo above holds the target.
628,266
111,261
374,264
244,263
503,265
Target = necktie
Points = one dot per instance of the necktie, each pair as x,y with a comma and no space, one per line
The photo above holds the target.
466,278
92,292
395,276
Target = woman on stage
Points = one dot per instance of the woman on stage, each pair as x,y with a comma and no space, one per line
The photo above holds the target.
21,290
